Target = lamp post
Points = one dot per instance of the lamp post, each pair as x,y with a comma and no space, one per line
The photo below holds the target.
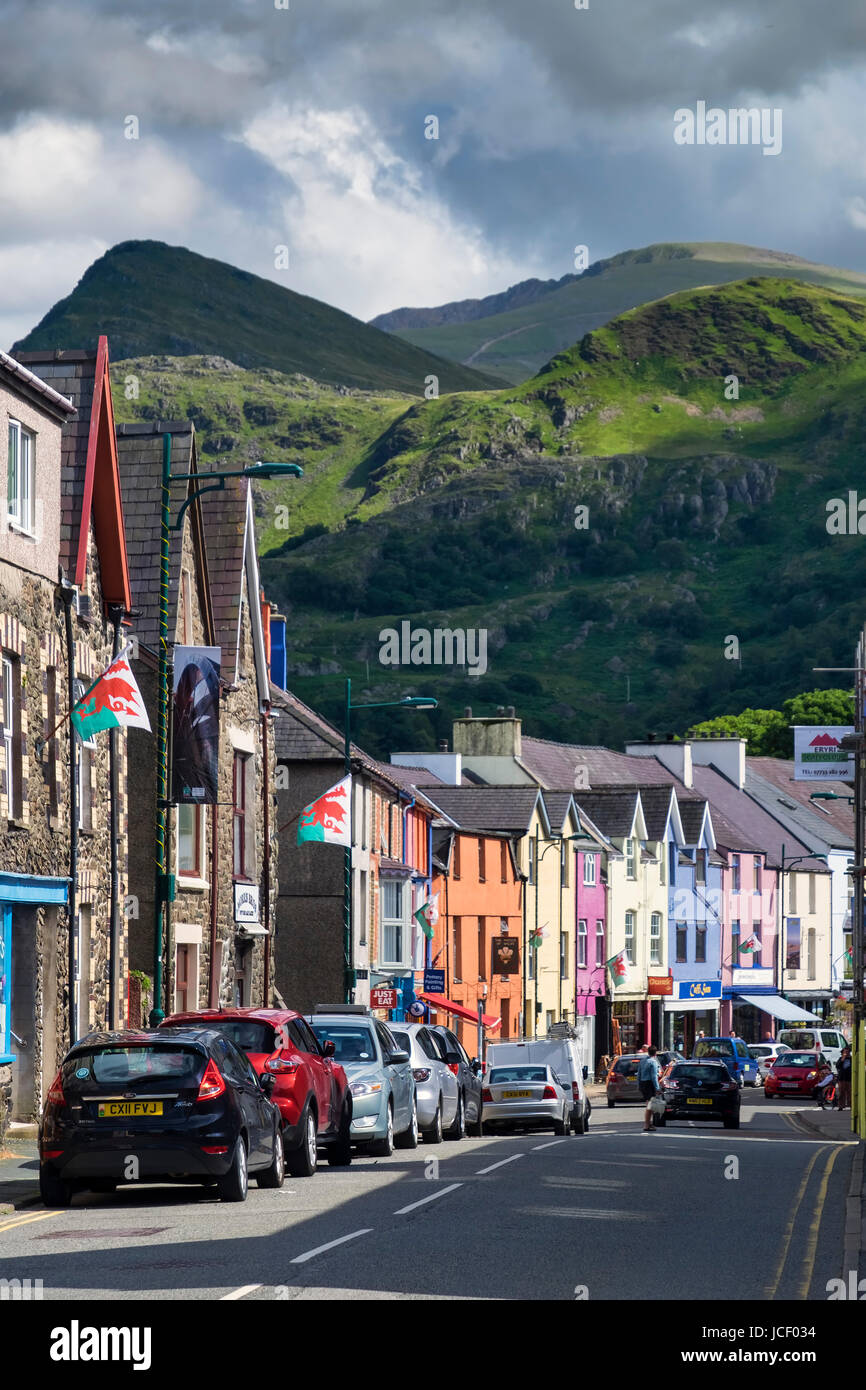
163,893
408,702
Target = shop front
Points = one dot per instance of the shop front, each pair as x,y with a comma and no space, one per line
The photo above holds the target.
748,1002
693,1009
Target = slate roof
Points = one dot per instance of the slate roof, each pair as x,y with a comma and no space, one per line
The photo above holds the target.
487,808
139,454
557,804
554,763
656,802
692,817
771,781
612,811
742,820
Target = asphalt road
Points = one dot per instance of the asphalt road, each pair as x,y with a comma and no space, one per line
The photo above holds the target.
688,1212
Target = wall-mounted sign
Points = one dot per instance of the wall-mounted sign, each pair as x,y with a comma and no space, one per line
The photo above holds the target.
246,903
434,981
505,955
382,998
817,753
759,976
792,943
659,985
196,725
699,989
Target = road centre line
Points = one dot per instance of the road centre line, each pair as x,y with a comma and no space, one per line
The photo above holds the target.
239,1293
329,1245
549,1145
815,1226
501,1164
770,1290
452,1187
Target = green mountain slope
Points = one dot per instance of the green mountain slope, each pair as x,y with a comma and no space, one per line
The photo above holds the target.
515,343
150,298
705,517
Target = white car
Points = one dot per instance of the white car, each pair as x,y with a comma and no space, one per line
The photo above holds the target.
562,1055
765,1055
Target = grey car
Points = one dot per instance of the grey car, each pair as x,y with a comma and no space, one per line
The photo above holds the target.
384,1113
468,1075
436,1088
530,1096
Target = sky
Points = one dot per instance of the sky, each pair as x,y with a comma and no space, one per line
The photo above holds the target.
300,124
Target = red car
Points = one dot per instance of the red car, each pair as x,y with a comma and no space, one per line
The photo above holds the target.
796,1074
311,1092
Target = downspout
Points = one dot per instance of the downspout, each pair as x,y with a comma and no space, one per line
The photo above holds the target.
448,927
266,791
406,809
67,593
212,982
115,613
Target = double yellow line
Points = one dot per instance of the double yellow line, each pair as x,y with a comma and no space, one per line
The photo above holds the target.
26,1220
814,1225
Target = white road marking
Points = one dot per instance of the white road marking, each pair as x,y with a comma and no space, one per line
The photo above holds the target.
432,1198
320,1249
239,1293
729,1138
539,1147
500,1164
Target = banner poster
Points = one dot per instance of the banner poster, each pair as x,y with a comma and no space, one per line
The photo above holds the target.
195,728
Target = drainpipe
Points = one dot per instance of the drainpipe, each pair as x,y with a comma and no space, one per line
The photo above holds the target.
67,594
448,929
266,792
212,981
115,613
406,809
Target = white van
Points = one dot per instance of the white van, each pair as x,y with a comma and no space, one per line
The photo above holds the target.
830,1041
562,1055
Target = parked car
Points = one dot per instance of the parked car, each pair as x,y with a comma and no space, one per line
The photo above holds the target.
437,1093
312,1090
735,1055
701,1090
530,1096
184,1102
622,1083
830,1041
765,1055
563,1056
797,1074
384,1108
468,1074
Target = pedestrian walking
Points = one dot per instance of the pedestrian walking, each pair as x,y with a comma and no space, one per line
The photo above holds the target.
733,1033
843,1078
650,1085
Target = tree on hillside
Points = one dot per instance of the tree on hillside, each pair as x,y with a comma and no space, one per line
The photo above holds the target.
767,731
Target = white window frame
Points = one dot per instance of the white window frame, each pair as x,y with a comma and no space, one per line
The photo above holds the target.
655,939
589,876
13,810
630,922
630,859
599,937
21,510
197,877
394,927
582,939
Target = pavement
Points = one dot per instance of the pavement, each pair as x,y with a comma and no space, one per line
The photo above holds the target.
19,1175
836,1125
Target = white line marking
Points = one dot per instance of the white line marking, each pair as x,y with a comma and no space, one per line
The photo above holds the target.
432,1198
320,1249
500,1164
239,1293
539,1147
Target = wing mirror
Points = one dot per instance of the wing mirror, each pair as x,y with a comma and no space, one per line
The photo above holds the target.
329,1048
267,1082
396,1058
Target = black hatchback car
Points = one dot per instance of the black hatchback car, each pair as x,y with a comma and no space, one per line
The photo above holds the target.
701,1091
180,1105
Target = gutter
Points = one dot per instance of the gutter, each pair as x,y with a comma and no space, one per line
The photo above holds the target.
36,383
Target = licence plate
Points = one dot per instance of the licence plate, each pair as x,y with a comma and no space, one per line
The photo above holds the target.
113,1109
515,1095
698,1100
790,1085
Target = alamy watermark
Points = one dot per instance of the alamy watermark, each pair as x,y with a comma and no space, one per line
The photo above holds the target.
742,125
444,646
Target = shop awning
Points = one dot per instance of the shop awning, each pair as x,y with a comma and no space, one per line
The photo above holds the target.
780,1008
438,1001
691,1006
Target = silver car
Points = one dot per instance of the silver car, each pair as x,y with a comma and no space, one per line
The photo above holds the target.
436,1086
765,1055
532,1096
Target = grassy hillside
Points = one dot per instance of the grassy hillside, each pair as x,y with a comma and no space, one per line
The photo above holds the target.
705,517
516,343
150,298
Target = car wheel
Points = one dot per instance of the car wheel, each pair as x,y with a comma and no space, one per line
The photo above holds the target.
433,1135
383,1148
561,1126
53,1190
233,1187
610,1103
340,1153
301,1162
579,1122
475,1129
409,1138
275,1172
458,1129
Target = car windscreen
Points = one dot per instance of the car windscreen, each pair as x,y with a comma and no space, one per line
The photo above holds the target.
714,1047
797,1039
500,1074
352,1043
799,1059
249,1034
123,1065
683,1072
757,1051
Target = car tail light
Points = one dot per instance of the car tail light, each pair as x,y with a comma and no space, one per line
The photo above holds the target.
487,1095
672,1085
729,1086
421,1073
575,1091
51,1153
214,1148
548,1093
455,1067
280,1066
55,1095
212,1084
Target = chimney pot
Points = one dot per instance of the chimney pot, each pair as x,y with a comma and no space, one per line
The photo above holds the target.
443,745
467,712
670,738
511,712
500,709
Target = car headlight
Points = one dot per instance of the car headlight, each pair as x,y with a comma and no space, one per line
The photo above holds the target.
365,1088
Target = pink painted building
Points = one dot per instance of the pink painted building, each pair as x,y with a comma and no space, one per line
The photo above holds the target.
591,999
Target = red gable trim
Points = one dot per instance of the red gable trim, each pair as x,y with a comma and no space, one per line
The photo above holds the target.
102,498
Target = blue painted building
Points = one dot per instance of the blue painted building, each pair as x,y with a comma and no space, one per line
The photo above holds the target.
694,926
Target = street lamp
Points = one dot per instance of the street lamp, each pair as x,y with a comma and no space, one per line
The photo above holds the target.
408,702
163,888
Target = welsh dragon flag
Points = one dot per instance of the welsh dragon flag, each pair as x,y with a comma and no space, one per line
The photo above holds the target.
328,818
618,967
112,701
427,915
750,944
